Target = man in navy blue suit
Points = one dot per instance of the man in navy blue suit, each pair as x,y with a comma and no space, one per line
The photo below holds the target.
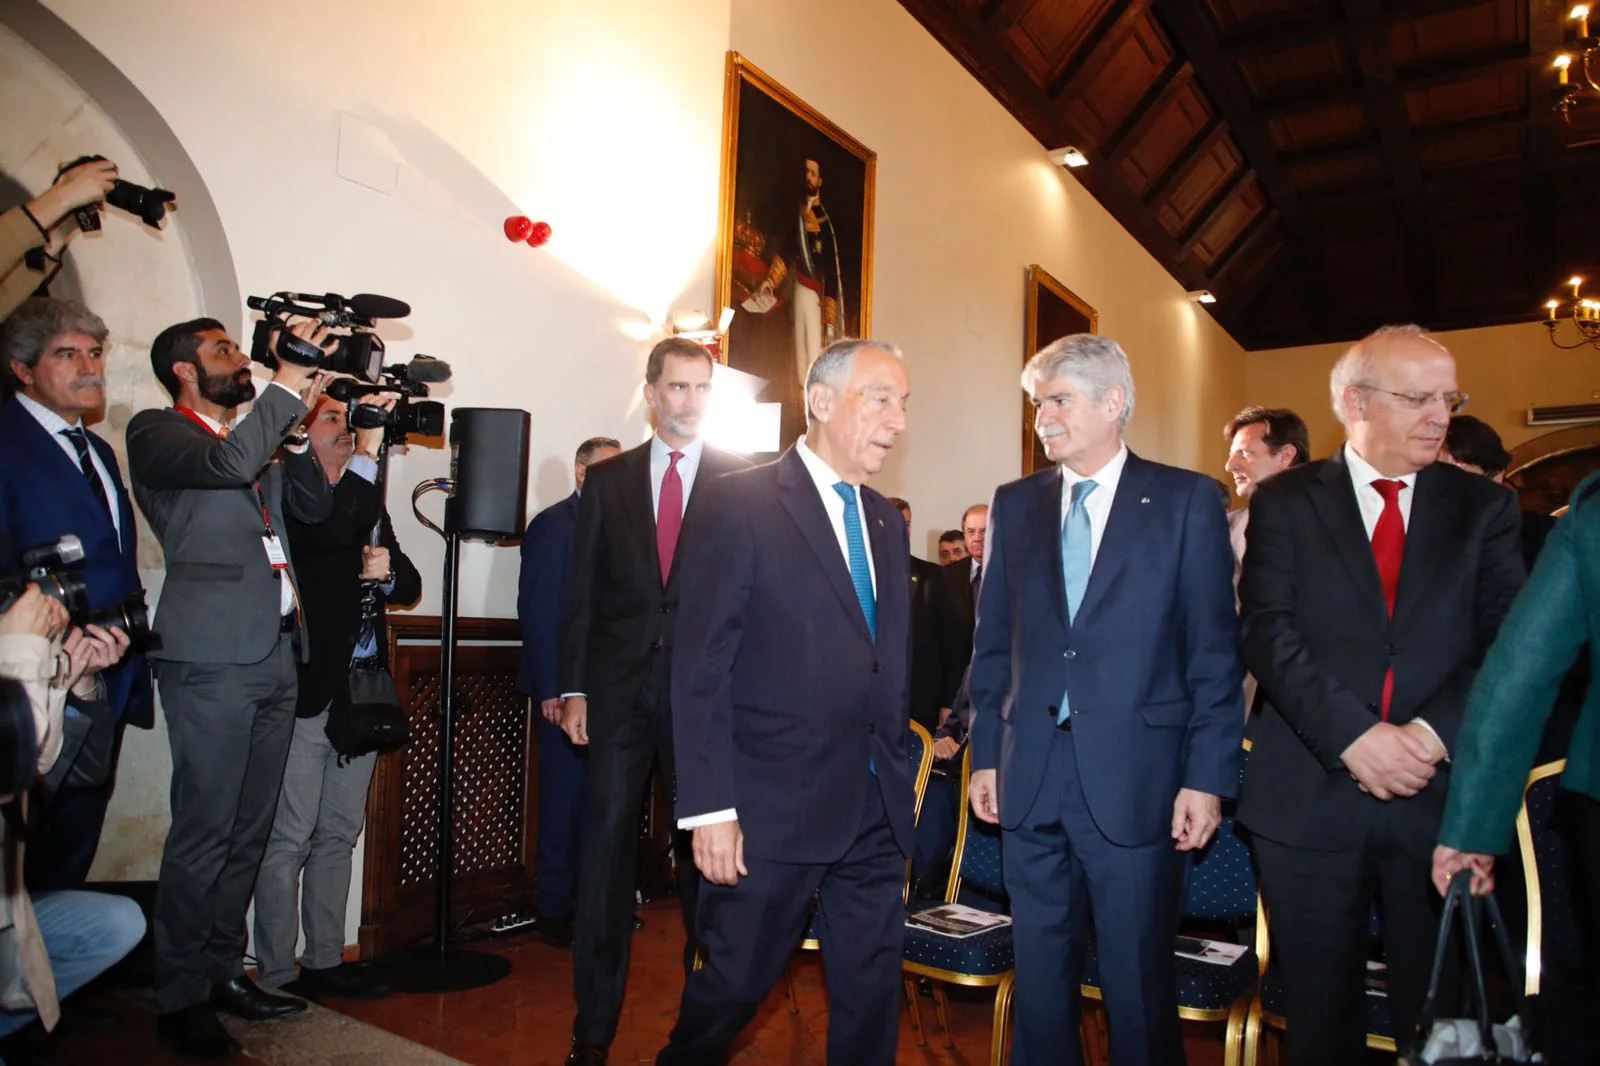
59,478
790,699
1106,683
563,768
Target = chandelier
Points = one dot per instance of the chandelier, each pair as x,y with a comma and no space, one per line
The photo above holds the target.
1570,85
1581,310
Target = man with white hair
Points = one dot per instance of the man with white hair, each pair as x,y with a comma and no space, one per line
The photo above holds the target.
789,707
1106,684
1373,585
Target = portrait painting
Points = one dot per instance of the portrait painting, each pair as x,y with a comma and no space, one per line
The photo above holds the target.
795,244
1053,311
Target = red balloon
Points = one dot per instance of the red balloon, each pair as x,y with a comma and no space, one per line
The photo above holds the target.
538,234
518,227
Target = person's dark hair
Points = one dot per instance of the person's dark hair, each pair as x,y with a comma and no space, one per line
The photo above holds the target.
680,346
587,449
900,505
179,344
33,324
951,536
1283,427
1473,441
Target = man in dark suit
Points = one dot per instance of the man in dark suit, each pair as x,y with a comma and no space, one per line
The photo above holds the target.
958,613
614,671
1373,584
232,629
323,801
929,685
563,768
789,715
1108,712
952,547
60,478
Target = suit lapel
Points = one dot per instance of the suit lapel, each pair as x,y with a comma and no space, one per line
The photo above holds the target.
638,503
1047,522
1433,516
798,494
1334,500
61,471
1123,527
124,505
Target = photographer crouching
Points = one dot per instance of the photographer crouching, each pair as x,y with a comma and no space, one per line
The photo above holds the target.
232,625
54,942
351,565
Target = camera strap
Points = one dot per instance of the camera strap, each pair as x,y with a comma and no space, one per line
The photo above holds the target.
277,557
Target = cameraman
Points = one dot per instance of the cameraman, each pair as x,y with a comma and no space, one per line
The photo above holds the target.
232,629
56,941
33,225
61,478
324,798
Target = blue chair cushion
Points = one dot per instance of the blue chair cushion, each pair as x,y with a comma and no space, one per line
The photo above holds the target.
1380,1015
986,954
1201,986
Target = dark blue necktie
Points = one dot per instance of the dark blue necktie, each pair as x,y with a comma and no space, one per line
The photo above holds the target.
80,444
856,543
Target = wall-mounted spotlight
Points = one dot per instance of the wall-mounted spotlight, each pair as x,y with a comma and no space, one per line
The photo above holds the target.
1068,157
1202,296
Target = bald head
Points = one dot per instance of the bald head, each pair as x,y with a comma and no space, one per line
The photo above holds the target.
1395,390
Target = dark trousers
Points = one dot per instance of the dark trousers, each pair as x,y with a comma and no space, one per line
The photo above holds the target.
750,930
620,757
229,728
1319,904
563,774
1059,870
60,860
936,825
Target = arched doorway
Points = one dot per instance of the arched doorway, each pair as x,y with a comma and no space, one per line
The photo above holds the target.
1546,469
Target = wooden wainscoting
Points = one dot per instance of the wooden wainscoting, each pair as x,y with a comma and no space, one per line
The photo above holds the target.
496,789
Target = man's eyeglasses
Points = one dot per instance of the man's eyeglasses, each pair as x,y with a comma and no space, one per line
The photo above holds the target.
1416,401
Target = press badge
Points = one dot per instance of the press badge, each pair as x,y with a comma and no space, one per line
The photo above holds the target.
275,554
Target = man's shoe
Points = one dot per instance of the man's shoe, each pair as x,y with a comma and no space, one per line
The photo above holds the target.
345,981
77,1018
242,998
587,1055
28,1046
195,1032
557,932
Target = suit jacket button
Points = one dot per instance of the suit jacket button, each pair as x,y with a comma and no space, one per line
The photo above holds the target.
655,645
1069,654
876,668
1053,712
1393,650
871,728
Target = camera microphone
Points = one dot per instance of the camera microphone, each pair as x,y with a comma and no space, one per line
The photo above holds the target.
427,370
64,552
367,305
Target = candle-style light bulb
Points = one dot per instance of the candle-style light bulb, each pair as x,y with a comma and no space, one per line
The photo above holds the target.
1563,61
1550,306
1580,15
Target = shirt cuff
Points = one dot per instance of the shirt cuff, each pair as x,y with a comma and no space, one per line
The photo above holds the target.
363,468
714,818
1423,722
569,695
387,590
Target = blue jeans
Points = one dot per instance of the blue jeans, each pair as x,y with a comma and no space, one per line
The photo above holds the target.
85,934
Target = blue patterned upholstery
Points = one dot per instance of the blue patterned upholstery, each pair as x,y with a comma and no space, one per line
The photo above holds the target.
1201,986
1560,944
1380,1017
982,883
981,955
1222,883
914,751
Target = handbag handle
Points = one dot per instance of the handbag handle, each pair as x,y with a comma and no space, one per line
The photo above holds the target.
1459,897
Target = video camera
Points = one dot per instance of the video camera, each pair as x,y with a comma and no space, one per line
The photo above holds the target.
424,417
147,204
55,569
358,353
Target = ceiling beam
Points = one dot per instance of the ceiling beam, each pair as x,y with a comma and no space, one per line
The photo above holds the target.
1003,14
1197,149
1432,75
1219,201
1192,33
1252,43
1545,136
1098,48
1149,109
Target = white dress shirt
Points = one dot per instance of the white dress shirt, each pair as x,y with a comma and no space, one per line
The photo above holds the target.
688,467
1098,503
825,479
54,424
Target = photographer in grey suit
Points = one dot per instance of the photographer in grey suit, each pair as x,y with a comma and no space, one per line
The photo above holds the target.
230,621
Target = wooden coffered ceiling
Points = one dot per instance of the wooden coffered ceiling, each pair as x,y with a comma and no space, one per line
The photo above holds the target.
1322,166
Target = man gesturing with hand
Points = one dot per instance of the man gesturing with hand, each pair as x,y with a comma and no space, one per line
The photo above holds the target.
1373,583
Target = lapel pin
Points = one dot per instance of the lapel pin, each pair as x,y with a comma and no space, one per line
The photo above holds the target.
1144,499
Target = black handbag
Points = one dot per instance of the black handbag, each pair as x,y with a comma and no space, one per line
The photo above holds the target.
1479,1041
367,716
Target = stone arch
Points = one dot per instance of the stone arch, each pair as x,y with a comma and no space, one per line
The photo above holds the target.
1546,469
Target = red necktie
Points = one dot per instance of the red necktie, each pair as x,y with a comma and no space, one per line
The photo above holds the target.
669,516
1388,548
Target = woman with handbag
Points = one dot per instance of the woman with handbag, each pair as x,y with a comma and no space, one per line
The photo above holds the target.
349,566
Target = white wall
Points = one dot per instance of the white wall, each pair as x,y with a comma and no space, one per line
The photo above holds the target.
605,119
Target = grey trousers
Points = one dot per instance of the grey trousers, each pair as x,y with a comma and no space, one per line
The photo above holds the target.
320,813
229,728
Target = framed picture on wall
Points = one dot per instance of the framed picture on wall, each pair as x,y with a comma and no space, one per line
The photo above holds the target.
794,249
1054,311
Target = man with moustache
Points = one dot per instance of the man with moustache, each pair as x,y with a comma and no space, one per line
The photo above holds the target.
789,716
952,547
614,670
1105,684
60,478
232,628
1374,584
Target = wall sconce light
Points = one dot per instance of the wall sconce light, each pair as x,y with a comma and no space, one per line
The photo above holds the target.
1202,296
1068,157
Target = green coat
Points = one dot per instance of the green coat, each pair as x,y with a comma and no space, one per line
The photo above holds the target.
1556,615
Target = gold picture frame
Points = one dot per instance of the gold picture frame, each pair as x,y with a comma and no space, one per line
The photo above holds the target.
1053,311
794,236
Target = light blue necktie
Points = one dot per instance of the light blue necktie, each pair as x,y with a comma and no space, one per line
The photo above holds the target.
856,543
1077,541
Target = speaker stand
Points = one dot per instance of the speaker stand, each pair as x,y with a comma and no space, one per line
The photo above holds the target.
438,967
